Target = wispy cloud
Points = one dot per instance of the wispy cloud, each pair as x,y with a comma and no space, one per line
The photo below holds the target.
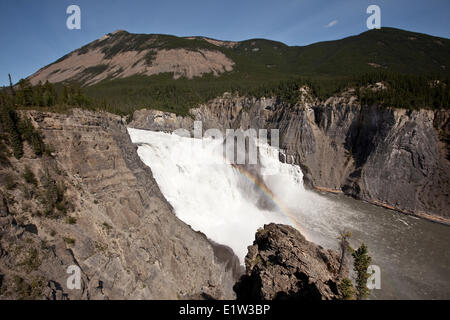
331,24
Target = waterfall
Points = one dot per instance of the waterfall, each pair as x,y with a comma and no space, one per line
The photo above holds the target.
227,203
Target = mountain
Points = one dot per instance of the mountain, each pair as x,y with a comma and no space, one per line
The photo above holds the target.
122,54
129,71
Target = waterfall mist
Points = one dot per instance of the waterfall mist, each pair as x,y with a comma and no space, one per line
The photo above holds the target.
222,200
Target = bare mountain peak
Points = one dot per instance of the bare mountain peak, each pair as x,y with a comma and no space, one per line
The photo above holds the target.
119,31
121,54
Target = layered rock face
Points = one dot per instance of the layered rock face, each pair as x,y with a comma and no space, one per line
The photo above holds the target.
118,228
390,157
282,264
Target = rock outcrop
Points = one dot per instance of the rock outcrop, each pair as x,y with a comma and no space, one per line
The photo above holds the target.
114,223
394,158
282,264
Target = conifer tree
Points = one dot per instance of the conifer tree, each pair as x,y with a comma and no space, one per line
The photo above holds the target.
346,289
11,87
360,264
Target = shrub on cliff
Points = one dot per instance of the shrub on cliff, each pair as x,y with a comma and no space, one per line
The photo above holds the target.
32,136
9,126
17,129
29,177
56,205
346,289
360,264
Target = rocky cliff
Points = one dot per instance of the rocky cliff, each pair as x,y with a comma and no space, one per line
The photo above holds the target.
394,158
282,264
108,217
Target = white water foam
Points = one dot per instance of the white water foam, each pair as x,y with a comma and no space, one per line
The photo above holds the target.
215,198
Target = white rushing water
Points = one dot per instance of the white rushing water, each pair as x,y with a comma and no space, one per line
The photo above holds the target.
225,204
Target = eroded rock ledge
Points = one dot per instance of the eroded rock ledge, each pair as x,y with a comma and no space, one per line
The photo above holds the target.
282,264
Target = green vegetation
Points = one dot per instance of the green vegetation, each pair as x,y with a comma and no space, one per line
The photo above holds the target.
69,241
345,286
14,130
44,245
9,126
28,291
347,290
32,261
55,202
411,67
44,97
29,176
10,182
360,264
107,227
405,91
71,220
385,49
162,92
4,153
32,136
388,48
123,41
96,69
100,247
264,68
52,198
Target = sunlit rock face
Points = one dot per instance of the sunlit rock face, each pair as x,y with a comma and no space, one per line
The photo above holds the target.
125,238
282,264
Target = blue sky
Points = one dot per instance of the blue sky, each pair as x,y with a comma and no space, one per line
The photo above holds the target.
34,33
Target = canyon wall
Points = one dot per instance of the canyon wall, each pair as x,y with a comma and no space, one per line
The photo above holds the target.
394,158
114,223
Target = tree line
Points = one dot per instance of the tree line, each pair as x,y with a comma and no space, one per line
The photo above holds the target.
24,94
405,91
394,90
162,92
